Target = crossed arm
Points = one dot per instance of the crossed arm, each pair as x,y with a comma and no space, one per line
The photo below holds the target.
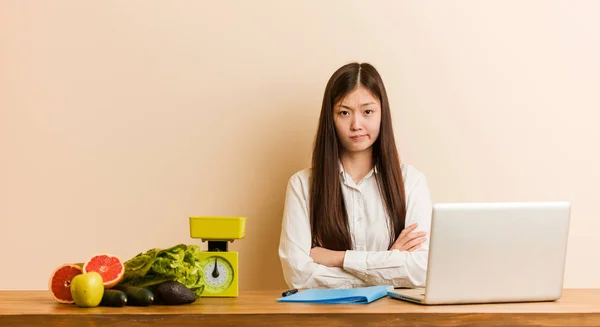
406,241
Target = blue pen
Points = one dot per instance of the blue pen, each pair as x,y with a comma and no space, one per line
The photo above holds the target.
290,292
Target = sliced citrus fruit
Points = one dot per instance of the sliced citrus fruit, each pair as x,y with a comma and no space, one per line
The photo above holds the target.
60,282
108,266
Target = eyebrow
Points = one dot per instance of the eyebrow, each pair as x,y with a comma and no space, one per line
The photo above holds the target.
364,104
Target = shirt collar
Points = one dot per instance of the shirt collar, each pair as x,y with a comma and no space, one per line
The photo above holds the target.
343,172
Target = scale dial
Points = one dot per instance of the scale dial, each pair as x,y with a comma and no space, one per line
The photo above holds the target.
218,274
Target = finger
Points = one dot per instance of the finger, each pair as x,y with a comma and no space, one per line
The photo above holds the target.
416,247
406,243
414,243
411,237
407,230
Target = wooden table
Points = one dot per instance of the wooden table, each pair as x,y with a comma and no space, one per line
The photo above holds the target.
577,307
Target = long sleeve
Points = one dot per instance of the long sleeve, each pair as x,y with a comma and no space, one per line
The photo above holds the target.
299,269
399,268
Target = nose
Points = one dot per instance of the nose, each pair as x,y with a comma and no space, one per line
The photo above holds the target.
356,123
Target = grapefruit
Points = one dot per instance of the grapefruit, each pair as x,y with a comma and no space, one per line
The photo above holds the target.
60,282
108,266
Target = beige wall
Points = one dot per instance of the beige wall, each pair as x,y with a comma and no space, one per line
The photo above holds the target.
118,120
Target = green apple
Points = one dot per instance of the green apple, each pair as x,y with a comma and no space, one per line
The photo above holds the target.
87,289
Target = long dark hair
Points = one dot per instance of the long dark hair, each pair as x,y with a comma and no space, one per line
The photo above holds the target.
328,216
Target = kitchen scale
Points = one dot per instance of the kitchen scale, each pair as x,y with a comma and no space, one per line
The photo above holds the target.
219,266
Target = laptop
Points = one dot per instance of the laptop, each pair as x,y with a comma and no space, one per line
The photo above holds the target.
494,253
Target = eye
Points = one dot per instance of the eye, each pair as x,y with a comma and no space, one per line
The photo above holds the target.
345,113
368,111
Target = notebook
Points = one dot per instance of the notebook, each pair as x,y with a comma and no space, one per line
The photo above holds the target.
357,295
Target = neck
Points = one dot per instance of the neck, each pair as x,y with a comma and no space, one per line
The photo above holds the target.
357,164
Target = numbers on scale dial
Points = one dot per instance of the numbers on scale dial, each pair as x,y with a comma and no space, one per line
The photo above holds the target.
218,274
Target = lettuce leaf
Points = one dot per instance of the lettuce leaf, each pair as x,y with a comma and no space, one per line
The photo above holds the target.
179,263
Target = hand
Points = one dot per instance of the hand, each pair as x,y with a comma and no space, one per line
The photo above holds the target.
327,257
408,241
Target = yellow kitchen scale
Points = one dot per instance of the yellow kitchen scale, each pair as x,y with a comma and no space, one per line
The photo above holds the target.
219,266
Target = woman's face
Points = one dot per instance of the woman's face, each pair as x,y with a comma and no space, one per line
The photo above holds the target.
357,119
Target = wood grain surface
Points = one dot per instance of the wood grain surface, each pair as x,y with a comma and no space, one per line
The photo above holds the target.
577,307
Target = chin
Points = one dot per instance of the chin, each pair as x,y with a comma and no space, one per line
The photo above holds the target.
355,148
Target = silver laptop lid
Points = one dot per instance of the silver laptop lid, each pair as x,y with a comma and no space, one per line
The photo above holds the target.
497,252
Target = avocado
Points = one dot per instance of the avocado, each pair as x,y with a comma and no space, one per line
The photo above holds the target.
173,293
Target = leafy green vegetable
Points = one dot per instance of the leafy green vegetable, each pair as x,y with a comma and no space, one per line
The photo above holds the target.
180,263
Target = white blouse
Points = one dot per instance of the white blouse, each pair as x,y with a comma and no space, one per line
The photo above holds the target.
369,263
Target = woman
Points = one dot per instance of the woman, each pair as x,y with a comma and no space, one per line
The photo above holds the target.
357,217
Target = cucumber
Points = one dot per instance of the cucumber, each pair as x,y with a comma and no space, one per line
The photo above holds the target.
137,296
113,298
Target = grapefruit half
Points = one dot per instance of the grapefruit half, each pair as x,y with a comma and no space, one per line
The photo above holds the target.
108,266
60,282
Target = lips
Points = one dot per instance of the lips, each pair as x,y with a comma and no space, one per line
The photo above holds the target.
358,137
